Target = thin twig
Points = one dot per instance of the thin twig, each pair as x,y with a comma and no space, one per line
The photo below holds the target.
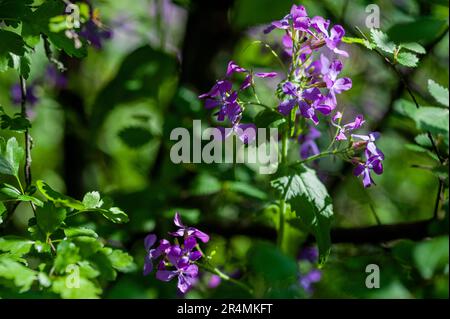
28,140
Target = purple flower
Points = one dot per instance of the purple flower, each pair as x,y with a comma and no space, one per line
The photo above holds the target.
187,273
188,231
214,281
307,280
30,95
95,34
374,160
248,81
55,77
356,124
310,254
245,132
308,146
330,71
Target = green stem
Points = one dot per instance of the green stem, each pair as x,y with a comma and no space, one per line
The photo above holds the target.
317,156
282,211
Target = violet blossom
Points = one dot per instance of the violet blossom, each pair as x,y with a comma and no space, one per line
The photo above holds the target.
175,260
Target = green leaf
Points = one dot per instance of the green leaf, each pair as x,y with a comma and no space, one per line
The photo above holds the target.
413,46
382,41
86,290
67,253
268,261
11,157
431,256
438,92
13,193
269,118
422,29
205,184
92,200
11,43
17,123
79,231
309,199
121,261
135,136
16,246
246,189
434,120
57,197
407,59
49,217
3,212
20,276
423,140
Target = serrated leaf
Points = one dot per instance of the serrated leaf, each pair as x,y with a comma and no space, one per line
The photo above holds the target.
49,217
407,59
434,120
21,276
57,197
16,246
67,253
309,199
382,41
86,289
438,92
92,200
121,261
414,46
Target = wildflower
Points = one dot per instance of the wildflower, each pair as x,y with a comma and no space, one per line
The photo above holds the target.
356,124
30,95
307,280
188,231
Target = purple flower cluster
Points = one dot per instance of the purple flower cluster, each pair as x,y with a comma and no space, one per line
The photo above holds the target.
226,99
314,275
175,260
313,83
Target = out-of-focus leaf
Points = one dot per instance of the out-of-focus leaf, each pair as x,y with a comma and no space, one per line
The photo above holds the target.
3,212
67,253
205,184
16,246
267,261
140,75
247,13
431,255
86,289
438,92
269,118
79,231
422,29
246,189
11,270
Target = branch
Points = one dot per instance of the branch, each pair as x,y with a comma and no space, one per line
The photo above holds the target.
360,235
28,140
